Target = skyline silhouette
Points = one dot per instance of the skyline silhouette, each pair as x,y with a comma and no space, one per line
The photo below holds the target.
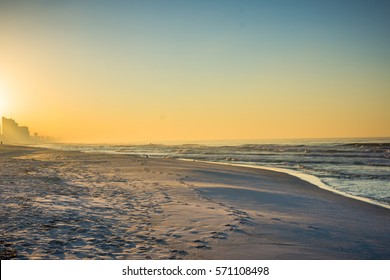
11,132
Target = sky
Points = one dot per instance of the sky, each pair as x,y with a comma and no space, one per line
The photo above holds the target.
149,71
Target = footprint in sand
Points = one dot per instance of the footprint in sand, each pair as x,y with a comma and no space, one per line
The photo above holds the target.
177,254
232,227
219,235
200,244
161,241
244,221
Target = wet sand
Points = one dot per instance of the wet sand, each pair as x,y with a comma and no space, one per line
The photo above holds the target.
71,205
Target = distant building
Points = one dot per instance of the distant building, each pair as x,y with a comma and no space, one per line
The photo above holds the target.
24,132
12,132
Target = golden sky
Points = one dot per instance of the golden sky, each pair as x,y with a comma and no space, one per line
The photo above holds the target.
171,71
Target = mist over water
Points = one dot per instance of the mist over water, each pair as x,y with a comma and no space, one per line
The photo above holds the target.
359,167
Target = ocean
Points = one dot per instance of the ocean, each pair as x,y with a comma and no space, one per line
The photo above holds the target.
356,167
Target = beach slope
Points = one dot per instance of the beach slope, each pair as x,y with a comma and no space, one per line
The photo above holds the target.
72,205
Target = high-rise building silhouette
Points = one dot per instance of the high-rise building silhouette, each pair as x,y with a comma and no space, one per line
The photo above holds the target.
12,132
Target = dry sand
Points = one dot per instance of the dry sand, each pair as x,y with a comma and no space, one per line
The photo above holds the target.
71,205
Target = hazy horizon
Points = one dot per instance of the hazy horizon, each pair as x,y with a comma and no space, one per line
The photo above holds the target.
235,141
187,71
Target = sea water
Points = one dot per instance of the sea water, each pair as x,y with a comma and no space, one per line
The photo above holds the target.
358,167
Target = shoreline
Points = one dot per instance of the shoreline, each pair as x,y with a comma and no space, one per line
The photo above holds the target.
315,181
363,194
71,205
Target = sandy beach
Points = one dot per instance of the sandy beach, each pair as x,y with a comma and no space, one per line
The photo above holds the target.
72,205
